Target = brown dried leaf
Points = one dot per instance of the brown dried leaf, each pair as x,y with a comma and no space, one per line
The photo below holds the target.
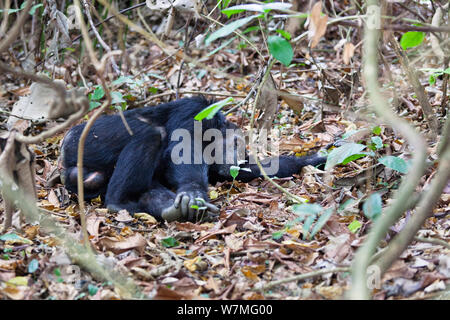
349,51
115,245
93,223
293,101
317,24
209,235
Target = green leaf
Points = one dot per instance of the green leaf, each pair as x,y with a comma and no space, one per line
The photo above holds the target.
9,237
229,12
354,226
210,111
376,130
353,157
432,79
57,272
234,171
116,97
229,28
285,34
307,208
278,234
93,105
153,90
18,281
98,93
394,163
321,221
250,29
307,226
256,7
372,207
92,289
338,155
121,80
14,238
33,8
411,39
33,266
280,49
169,242
377,142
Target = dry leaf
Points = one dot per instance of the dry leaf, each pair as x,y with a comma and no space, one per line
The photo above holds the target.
317,24
294,102
249,274
123,216
93,223
115,245
349,51
267,103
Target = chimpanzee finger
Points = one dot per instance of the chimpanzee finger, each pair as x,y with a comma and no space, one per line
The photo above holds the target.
178,198
212,208
185,206
171,214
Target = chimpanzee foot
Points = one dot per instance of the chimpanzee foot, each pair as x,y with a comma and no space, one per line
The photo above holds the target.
189,206
114,208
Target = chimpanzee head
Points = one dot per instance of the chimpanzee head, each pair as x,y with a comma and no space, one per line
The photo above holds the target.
227,149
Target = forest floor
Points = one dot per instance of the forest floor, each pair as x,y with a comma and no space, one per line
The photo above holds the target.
256,239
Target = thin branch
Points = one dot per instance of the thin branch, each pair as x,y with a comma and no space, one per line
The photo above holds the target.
359,289
97,35
14,32
252,147
302,277
435,241
418,88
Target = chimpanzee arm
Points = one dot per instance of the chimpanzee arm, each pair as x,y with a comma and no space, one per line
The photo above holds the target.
191,184
134,169
281,167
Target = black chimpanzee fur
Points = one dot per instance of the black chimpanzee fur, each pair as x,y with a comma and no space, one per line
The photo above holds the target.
136,172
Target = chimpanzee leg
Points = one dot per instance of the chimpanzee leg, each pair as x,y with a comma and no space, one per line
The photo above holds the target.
281,167
94,182
134,169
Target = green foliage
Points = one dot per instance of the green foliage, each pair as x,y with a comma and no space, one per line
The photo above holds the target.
278,234
339,155
376,130
92,289
377,143
210,111
263,8
435,73
354,226
394,163
33,266
170,242
229,28
285,34
22,6
372,207
411,39
280,49
234,171
310,213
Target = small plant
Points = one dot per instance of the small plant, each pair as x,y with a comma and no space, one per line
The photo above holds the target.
350,151
278,42
98,94
313,216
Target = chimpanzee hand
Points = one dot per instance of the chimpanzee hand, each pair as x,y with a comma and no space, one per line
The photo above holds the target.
189,205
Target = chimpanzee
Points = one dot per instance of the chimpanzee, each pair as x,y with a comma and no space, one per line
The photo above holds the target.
138,172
